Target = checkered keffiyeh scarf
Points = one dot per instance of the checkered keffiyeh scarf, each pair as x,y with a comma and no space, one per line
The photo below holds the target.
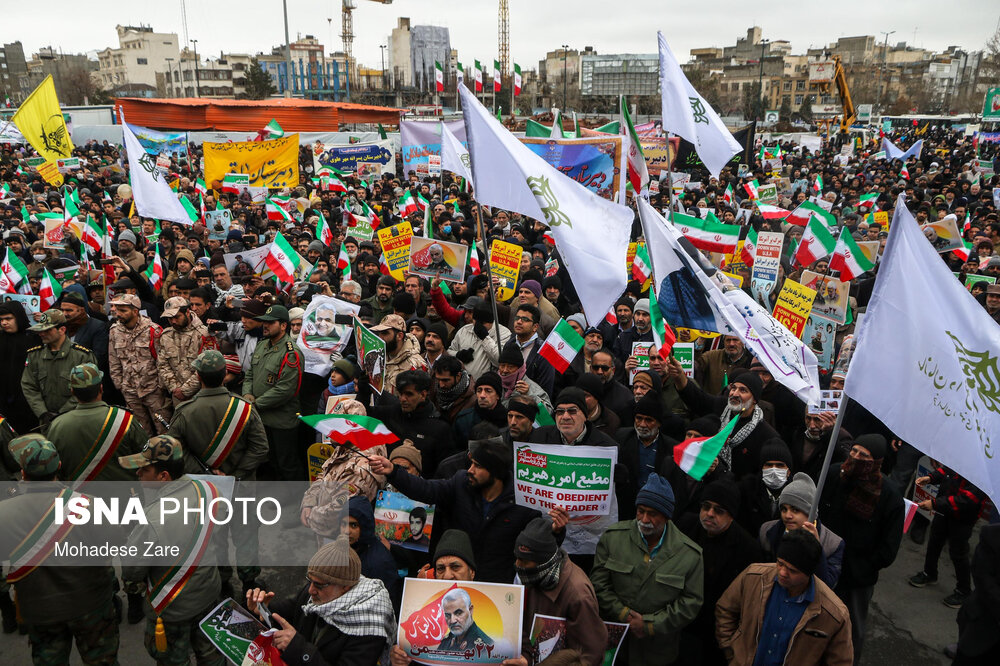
364,610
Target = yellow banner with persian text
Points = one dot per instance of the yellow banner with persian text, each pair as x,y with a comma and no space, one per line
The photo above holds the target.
273,164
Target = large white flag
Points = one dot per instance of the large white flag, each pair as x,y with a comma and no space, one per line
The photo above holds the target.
893,152
153,196
454,156
591,233
692,294
925,359
687,114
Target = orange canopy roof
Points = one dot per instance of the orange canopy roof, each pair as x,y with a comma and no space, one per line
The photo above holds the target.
237,115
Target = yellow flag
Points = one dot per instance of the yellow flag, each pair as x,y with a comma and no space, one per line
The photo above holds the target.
272,164
41,122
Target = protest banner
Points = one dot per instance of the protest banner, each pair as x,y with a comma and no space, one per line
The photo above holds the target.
831,296
371,351
30,302
943,234
253,262
334,400
272,164
882,219
684,353
640,350
362,229
490,626
395,242
793,306
629,257
402,521
68,164
768,194
231,629
972,278
820,336
54,233
218,223
420,139
578,478
316,455
170,144
326,329
432,258
829,403
767,260
505,263
658,157
597,163
348,158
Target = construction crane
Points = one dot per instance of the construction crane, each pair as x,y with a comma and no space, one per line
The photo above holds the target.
347,29
848,113
503,38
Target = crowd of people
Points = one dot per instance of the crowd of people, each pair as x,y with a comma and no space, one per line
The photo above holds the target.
725,569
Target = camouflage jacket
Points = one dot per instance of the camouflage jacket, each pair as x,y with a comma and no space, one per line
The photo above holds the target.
132,357
176,350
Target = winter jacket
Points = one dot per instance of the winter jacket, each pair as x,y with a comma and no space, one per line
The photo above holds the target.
423,426
407,357
957,499
627,485
822,635
376,561
979,617
176,350
830,563
666,589
535,395
13,356
713,367
485,356
133,357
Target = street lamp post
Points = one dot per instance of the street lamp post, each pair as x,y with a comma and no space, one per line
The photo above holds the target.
759,106
197,78
382,48
564,47
288,53
878,87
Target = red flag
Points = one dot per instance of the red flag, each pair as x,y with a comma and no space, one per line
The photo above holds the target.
427,627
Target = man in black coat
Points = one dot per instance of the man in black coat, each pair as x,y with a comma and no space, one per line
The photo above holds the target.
641,450
480,502
414,417
616,397
640,331
537,369
979,618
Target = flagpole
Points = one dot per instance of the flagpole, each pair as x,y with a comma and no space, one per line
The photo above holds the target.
670,177
834,436
489,276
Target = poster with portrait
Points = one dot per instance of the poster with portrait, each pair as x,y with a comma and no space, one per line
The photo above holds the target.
327,326
403,522
831,295
548,635
445,622
371,352
820,336
943,234
431,258
31,303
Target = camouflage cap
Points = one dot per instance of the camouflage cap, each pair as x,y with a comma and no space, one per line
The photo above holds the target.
36,455
211,360
274,313
50,319
390,322
159,448
130,300
174,305
85,375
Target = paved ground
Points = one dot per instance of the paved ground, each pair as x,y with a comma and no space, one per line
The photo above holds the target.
907,625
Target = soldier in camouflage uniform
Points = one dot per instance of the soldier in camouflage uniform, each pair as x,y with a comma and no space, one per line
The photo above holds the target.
47,368
237,449
163,461
272,385
178,346
58,604
132,362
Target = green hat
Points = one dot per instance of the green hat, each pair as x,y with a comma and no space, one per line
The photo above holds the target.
50,319
36,455
210,360
274,313
159,448
84,376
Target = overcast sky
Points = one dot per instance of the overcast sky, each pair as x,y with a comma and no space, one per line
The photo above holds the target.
536,26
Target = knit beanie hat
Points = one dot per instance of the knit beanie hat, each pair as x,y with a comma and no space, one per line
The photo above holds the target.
592,384
725,493
775,449
572,396
533,287
799,493
657,494
455,543
751,380
650,406
491,379
528,409
874,443
345,367
512,355
336,563
494,455
536,542
411,454
440,329
800,549
705,425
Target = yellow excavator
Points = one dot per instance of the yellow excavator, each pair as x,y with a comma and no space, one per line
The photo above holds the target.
849,114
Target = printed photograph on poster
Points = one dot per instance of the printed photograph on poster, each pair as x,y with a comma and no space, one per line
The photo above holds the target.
640,350
597,163
829,402
943,234
395,242
54,237
371,351
218,223
31,303
231,629
326,329
820,336
831,295
548,635
443,622
431,258
403,522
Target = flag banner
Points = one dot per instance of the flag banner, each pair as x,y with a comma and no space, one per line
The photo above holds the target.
496,76
805,212
562,346
767,260
597,163
696,455
395,241
816,243
455,155
944,397
371,352
708,235
438,77
403,522
536,130
831,295
580,479
490,625
234,631
151,193
692,294
346,158
893,152
274,130
849,259
638,174
479,77
421,139
327,326
433,258
591,233
271,164
793,306
364,432
41,121
517,79
282,259
171,144
505,264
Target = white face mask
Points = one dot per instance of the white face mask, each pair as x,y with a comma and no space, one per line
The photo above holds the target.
774,477
38,257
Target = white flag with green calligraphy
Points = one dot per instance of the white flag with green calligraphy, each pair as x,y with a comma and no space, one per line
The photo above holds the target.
153,196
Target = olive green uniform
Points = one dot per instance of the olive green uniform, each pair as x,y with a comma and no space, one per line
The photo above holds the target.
75,433
273,379
45,381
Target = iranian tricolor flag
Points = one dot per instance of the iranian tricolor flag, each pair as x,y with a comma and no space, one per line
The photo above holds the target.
904,173
611,317
438,77
818,184
729,196
70,209
283,260
344,263
642,268
806,210
200,187
663,335
479,77
333,183
817,242
229,185
189,208
422,203
964,252
25,215
373,218
772,212
562,346
706,234
543,418
201,206
49,290
749,251
363,432
14,269
274,130
473,263
275,207
848,258
638,175
329,171
496,76
517,79
751,188
323,230
867,201
93,234
154,272
696,455
407,204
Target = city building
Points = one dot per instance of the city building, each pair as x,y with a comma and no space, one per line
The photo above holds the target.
71,74
132,68
620,74
13,73
413,50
